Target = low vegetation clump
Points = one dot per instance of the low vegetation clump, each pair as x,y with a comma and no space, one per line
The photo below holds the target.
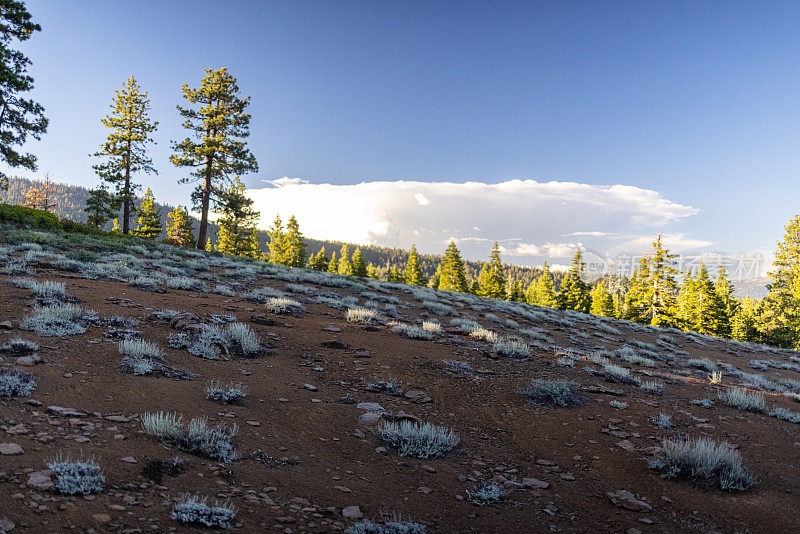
81,477
233,393
663,421
479,332
412,331
619,405
432,326
389,527
55,321
363,316
19,347
195,509
512,349
221,289
195,438
488,493
459,367
615,373
553,393
704,462
186,282
704,363
14,383
236,340
653,387
786,415
419,440
284,306
437,308
749,401
392,386
705,403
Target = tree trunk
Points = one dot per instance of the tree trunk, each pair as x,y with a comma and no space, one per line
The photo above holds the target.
201,234
126,209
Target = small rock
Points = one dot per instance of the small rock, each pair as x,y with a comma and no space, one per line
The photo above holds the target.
7,449
352,512
335,344
129,459
369,418
40,479
535,483
629,501
26,361
370,407
418,396
67,412
6,325
6,525
347,400
362,353
102,518
332,328
627,445
310,387
253,423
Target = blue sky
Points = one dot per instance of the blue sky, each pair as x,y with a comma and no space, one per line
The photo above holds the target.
697,101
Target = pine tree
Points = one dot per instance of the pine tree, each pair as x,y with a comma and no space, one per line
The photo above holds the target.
514,291
238,235
345,266
414,274
602,301
701,308
394,274
179,228
148,225
541,292
20,117
294,245
636,304
359,267
100,207
218,150
453,276
663,288
277,242
492,280
125,149
574,293
781,311
728,302
746,320
372,272
333,265
319,261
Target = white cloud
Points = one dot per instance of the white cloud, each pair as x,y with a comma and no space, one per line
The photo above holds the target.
528,218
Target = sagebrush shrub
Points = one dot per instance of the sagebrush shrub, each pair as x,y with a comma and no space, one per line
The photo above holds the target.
81,477
363,316
55,321
705,462
196,438
488,493
750,401
553,392
14,383
233,393
194,509
284,306
420,440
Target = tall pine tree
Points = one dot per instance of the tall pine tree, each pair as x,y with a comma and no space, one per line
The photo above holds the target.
20,117
345,265
492,279
277,242
602,301
781,311
216,150
125,149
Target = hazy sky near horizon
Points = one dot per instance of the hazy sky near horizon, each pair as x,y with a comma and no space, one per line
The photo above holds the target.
545,107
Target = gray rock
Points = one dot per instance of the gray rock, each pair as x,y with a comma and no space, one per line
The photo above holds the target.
41,479
369,418
67,412
627,500
352,512
418,396
6,525
535,483
370,407
7,449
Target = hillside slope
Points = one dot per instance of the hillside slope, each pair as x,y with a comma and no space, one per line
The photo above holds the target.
320,388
